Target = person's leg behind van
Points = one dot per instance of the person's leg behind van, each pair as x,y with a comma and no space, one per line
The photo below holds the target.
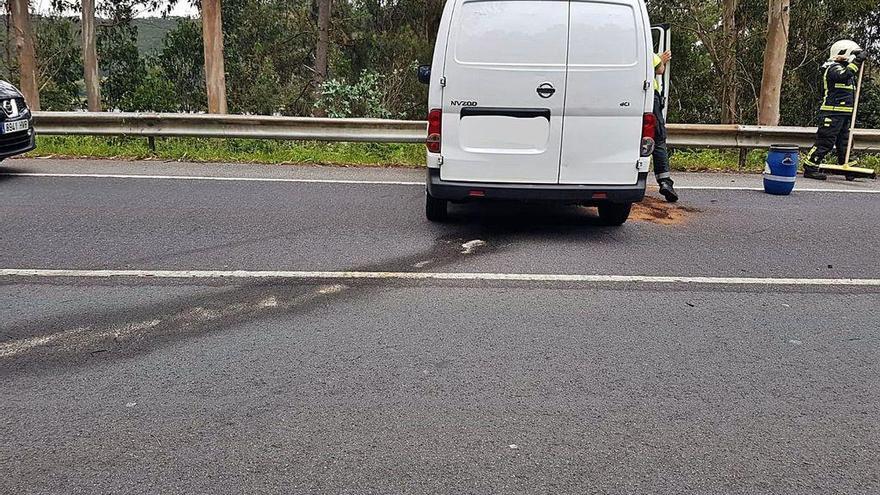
661,153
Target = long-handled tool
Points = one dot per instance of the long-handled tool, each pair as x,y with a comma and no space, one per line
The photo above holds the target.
847,170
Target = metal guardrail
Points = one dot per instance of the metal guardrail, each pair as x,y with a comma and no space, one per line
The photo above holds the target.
228,126
382,131
755,137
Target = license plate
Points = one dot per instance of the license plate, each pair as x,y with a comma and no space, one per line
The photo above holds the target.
16,126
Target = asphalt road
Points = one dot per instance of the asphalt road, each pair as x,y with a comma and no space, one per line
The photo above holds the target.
290,384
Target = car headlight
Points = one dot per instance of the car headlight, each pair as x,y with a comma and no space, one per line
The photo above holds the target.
23,109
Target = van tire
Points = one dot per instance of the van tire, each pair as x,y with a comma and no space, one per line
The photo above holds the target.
614,214
437,210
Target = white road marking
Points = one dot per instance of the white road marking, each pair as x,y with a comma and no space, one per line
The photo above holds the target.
375,182
17,346
471,246
761,189
451,276
269,302
332,289
210,178
14,347
81,337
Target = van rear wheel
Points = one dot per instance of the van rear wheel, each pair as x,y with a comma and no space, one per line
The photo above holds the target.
614,214
437,210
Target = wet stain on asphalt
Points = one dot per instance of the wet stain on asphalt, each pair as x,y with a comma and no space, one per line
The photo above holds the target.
658,211
82,339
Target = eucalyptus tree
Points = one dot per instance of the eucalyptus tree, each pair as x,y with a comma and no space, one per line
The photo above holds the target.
775,51
23,42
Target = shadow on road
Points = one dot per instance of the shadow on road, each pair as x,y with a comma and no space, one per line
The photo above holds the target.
518,217
6,173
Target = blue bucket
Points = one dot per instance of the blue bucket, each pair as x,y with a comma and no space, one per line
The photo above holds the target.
780,171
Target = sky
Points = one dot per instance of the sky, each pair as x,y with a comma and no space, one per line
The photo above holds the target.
183,8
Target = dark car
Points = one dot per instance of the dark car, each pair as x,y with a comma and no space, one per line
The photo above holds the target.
16,123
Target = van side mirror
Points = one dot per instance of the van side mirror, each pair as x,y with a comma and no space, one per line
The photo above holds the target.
425,74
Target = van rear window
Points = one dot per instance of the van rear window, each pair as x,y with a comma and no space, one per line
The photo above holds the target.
603,34
513,32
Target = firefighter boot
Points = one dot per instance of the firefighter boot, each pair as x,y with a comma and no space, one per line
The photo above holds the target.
812,172
668,191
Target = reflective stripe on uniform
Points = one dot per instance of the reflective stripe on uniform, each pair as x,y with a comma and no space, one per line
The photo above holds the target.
657,62
825,83
829,108
663,175
844,86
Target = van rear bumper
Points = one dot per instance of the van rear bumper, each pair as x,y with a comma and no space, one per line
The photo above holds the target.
464,191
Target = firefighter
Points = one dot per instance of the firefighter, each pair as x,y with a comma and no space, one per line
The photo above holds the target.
835,114
661,153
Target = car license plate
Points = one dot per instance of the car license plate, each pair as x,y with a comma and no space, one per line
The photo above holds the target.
16,126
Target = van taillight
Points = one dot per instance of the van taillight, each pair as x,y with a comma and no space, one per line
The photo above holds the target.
649,123
433,142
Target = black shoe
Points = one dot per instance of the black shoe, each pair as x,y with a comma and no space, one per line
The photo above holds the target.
813,173
668,191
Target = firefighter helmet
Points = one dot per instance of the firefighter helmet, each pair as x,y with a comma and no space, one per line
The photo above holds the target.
845,48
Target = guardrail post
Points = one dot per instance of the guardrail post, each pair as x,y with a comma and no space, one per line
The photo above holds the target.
151,142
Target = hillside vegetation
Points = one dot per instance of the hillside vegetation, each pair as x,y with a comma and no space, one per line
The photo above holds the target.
156,64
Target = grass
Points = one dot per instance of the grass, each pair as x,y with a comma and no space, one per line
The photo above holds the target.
233,150
728,161
339,154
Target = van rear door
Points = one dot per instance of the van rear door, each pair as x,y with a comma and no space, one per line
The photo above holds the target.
662,39
505,87
608,66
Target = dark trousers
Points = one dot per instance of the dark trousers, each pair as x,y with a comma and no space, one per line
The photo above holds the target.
833,133
661,152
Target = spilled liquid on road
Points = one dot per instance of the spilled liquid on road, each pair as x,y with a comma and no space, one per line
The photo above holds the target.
656,210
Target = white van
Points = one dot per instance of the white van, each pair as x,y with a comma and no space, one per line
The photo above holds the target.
545,100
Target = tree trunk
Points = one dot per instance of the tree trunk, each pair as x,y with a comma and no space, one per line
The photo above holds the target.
24,46
322,51
90,56
215,70
774,61
10,43
433,13
729,110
